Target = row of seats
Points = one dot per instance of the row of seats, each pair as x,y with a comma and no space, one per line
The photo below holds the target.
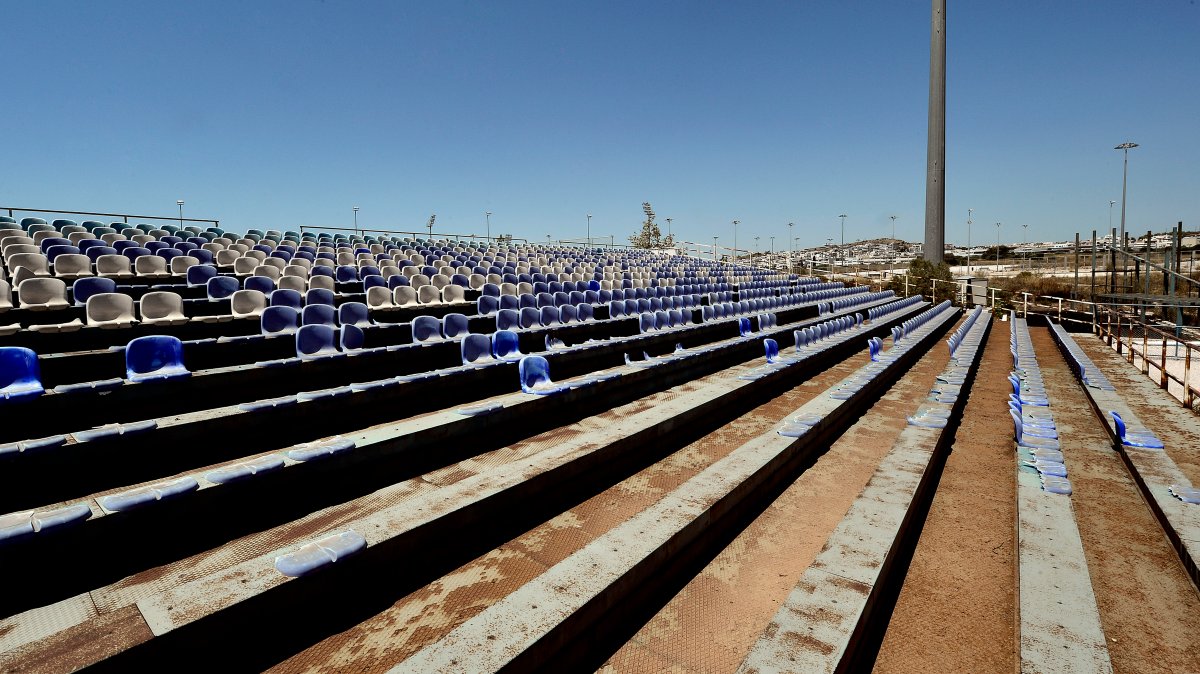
530,318
947,388
150,358
1034,428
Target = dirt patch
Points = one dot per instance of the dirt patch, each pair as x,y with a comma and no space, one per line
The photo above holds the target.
1149,608
956,610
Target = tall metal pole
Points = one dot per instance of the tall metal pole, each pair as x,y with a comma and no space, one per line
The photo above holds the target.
488,216
735,255
842,248
997,246
1125,147
935,178
589,230
355,209
1025,244
791,245
969,212
668,227
714,249
180,202
893,227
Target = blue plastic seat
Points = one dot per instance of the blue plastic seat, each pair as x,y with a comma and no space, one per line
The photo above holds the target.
530,318
568,314
286,297
744,328
505,345
262,284
1140,438
279,320
84,288
354,313
318,314
153,358
222,287
352,337
319,296
454,326
397,280
477,350
487,305
316,341
646,322
199,274
550,316
346,274
508,319
20,374
535,376
426,329
616,309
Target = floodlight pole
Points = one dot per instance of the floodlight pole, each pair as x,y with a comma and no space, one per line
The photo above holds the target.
893,227
1125,147
935,178
997,246
180,203
355,209
735,255
668,227
714,249
488,216
791,245
589,230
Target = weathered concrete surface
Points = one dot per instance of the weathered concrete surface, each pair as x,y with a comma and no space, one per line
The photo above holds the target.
613,565
817,627
1060,625
1153,470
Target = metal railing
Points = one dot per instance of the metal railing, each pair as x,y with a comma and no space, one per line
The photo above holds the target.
424,234
12,210
1120,331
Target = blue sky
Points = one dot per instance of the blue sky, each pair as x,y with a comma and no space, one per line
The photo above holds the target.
279,114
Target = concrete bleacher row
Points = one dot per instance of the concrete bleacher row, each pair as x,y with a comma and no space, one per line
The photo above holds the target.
873,528
320,415
531,624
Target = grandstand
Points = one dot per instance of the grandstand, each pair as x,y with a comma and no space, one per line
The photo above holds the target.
328,451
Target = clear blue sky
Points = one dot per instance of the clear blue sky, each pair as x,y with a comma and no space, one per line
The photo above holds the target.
277,114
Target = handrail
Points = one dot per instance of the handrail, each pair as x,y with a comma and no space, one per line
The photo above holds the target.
125,216
422,234
1126,345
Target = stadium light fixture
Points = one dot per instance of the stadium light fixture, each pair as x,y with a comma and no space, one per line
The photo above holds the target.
179,202
1125,147
488,216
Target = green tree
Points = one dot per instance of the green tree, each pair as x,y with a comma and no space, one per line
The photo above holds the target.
921,274
650,236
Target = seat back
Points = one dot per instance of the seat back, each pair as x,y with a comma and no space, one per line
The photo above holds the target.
319,296
505,344
454,326
355,313
42,292
161,306
426,329
279,320
316,340
20,374
109,307
287,298
476,349
246,303
154,357
318,314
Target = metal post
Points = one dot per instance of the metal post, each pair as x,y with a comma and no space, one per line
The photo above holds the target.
1075,289
1125,147
935,178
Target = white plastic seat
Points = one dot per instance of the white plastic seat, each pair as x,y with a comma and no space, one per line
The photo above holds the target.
151,266
440,281
112,238
267,270
43,294
427,294
380,297
405,296
245,265
113,266
453,293
110,310
35,262
228,257
162,308
292,283
72,266
323,282
276,263
295,270
247,303
180,264
5,296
